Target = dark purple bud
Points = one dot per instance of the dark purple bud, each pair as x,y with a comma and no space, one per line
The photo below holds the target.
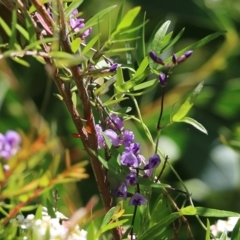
137,199
113,67
127,137
121,191
174,59
154,161
155,58
162,79
113,137
129,159
184,56
131,179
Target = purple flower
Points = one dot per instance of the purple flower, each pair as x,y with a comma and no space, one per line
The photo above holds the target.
137,199
129,159
100,138
131,179
133,147
153,162
121,191
127,138
115,122
155,58
113,67
78,23
113,137
9,144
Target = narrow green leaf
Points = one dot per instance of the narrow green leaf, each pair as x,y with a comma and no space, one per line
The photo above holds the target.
194,123
166,40
107,217
5,27
207,212
127,20
2,176
74,5
150,83
51,212
91,43
224,236
38,214
23,32
154,231
36,44
157,42
108,103
208,232
97,17
120,13
160,185
109,227
140,43
21,61
91,231
75,44
187,105
236,231
118,50
74,99
13,37
171,43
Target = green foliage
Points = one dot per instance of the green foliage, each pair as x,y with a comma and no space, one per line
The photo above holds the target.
91,90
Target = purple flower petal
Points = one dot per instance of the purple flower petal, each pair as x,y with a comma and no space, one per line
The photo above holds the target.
137,199
129,159
100,138
113,137
118,122
127,138
121,191
131,179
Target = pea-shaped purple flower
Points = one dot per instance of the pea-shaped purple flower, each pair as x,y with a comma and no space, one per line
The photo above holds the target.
137,199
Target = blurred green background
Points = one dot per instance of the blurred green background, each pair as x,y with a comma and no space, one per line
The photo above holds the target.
210,169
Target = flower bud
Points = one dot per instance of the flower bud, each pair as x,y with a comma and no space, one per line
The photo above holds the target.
174,59
162,79
155,58
184,56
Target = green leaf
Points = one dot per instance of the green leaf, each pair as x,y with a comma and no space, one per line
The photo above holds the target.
13,37
127,20
120,13
36,44
51,212
140,43
207,212
119,81
22,30
5,27
236,231
208,232
150,83
21,61
38,214
91,230
194,123
173,41
107,218
91,43
157,42
109,227
74,5
97,17
75,44
111,102
155,230
187,105
224,236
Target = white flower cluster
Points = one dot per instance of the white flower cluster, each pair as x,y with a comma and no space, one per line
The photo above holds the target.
54,228
223,226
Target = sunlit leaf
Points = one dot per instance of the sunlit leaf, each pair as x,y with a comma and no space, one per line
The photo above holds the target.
108,216
75,44
207,212
187,105
21,61
91,43
208,232
194,123
150,83
36,44
12,39
73,6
